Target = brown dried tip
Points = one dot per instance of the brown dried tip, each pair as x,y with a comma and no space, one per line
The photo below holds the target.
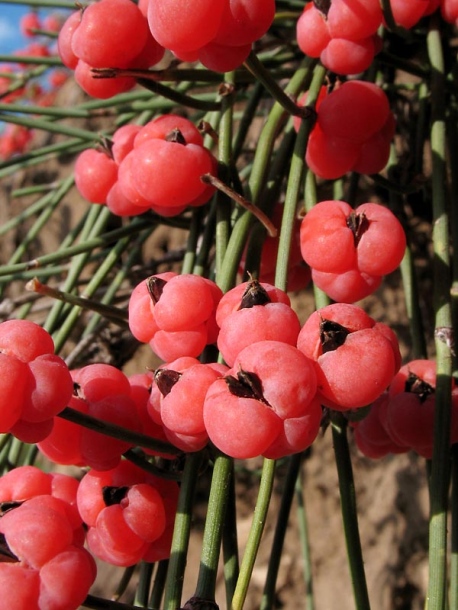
6,554
323,6
155,286
246,385
8,505
358,223
113,495
418,386
332,335
176,136
165,380
254,294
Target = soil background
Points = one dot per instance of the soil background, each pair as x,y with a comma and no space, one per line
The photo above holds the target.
391,493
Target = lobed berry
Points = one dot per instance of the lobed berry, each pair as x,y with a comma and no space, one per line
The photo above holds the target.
104,392
350,250
219,33
245,413
175,314
355,357
129,513
353,131
36,383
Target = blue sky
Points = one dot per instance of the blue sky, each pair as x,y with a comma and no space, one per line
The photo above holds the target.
10,37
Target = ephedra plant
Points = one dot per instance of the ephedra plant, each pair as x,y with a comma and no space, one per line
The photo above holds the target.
307,153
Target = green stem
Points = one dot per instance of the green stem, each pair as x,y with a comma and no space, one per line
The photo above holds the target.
181,532
94,223
289,486
119,316
43,3
304,537
253,64
454,533
254,537
115,431
349,512
98,603
91,244
412,300
31,59
96,281
211,544
295,181
222,202
179,98
144,584
158,585
277,118
440,467
230,545
50,127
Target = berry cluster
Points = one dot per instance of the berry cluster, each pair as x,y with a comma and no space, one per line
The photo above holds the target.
35,383
402,419
348,346
344,34
219,33
46,565
175,314
103,391
109,33
266,404
129,514
350,250
353,131
280,374
177,397
155,167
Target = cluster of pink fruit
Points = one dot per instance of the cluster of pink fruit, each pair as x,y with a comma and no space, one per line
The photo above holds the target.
280,374
344,34
44,563
219,33
402,418
152,167
349,250
129,513
353,131
109,33
36,384
124,514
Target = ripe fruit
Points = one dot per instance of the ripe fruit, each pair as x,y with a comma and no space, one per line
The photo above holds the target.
352,119
36,384
128,512
101,46
246,411
102,391
186,307
335,238
95,173
343,35
256,319
355,357
350,250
